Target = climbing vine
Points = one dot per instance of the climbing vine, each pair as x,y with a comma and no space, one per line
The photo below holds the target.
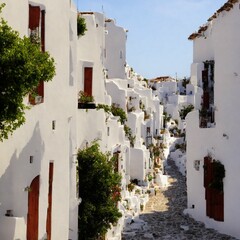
115,110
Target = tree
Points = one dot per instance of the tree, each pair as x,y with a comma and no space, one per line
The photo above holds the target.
99,189
81,26
22,66
185,110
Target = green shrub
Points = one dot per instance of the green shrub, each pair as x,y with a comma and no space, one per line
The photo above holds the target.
99,189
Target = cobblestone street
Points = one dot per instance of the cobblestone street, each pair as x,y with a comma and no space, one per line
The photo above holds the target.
163,216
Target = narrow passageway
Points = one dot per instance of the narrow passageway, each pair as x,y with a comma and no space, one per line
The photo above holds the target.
163,216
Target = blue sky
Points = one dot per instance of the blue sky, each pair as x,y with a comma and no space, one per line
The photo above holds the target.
157,43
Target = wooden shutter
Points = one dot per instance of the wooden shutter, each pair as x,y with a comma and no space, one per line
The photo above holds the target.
205,75
206,99
39,95
43,30
34,17
207,180
40,90
88,74
116,164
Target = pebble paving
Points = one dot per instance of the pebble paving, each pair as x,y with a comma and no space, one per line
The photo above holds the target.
163,216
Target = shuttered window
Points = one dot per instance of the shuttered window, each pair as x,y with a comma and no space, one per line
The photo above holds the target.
34,17
36,27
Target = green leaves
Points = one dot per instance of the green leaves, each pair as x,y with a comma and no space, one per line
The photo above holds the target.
22,67
98,185
81,26
185,110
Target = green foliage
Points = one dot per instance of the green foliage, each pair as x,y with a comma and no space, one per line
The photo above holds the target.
84,97
185,82
149,177
218,175
138,191
128,132
181,146
130,186
166,117
105,107
99,188
81,26
185,110
117,111
175,131
22,67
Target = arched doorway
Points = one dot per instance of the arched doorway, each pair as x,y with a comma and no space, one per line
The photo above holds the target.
32,217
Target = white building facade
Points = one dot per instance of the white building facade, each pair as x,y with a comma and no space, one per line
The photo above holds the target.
37,197
213,132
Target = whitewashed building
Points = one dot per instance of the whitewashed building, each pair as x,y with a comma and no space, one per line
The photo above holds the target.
38,197
213,132
37,169
115,50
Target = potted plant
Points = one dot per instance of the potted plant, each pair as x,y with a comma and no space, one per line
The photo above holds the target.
85,101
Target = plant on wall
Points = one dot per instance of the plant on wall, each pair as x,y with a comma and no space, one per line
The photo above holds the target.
84,97
81,26
115,110
128,133
99,189
218,175
185,110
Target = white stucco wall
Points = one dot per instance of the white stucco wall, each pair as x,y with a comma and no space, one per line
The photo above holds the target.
90,53
221,141
137,164
119,95
36,137
115,56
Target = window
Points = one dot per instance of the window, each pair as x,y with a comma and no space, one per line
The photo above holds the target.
36,26
148,129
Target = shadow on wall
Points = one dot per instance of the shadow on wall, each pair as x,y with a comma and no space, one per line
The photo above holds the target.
15,182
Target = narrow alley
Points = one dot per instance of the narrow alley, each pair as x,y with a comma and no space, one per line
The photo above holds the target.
163,216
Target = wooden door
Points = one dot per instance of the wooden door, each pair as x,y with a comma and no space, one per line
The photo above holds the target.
49,210
214,198
32,218
88,74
